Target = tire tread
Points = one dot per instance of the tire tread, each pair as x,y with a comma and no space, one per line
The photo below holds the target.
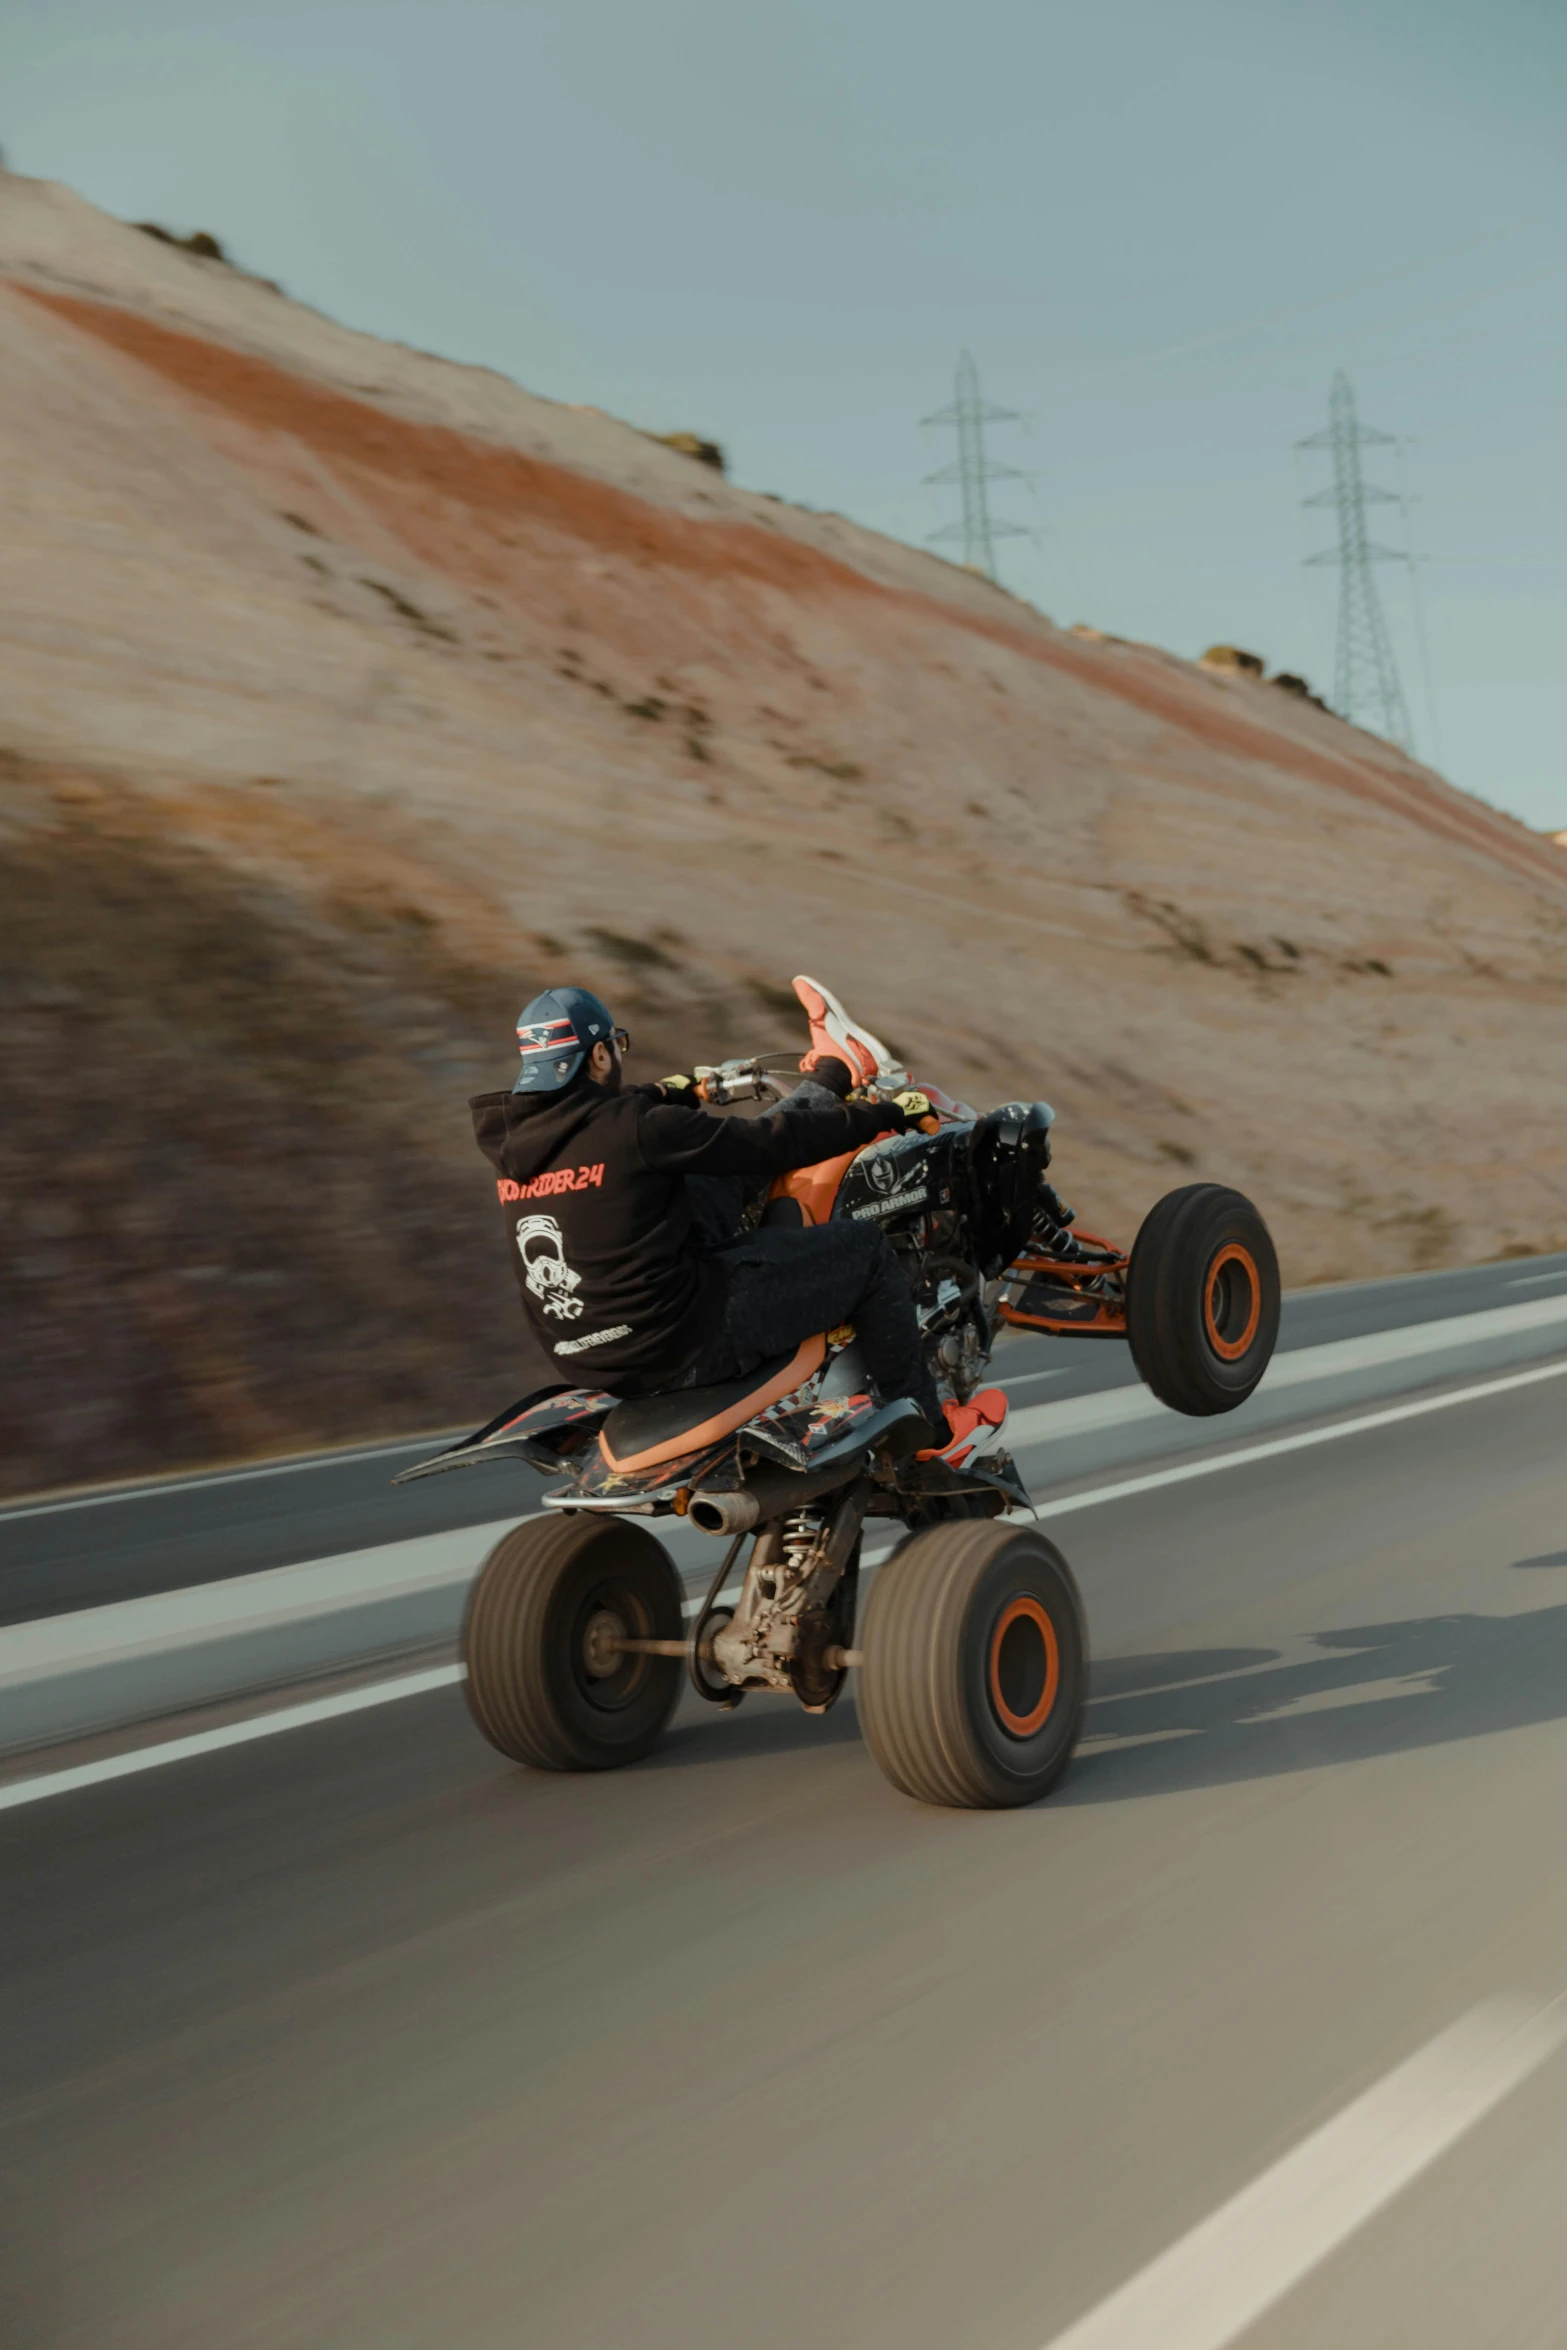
504,1627
910,1695
1162,1304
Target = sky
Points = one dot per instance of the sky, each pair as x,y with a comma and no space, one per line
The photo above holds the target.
1160,226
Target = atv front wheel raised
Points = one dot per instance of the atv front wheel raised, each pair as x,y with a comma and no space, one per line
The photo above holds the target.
975,1666
546,1682
1202,1299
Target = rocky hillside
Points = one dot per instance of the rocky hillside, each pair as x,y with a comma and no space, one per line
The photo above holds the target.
347,694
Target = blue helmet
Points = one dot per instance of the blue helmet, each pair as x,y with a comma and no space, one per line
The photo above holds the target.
555,1035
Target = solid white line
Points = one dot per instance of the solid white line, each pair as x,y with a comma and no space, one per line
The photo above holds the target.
1214,2283
154,1488
1294,1364
242,1606
1300,1366
293,1717
1277,1445
726,1598
413,1685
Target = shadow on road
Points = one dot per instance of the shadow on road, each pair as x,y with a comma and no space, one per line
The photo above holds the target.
764,1724
1203,1717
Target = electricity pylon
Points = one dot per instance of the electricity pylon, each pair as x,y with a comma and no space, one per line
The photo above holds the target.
979,529
1365,676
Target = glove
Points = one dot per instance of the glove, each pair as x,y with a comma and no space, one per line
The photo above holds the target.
681,1089
829,1070
918,1110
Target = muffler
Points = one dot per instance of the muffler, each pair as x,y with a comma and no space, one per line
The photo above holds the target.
724,1513
769,1492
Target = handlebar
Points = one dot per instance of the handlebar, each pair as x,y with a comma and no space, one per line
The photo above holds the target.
751,1080
737,1081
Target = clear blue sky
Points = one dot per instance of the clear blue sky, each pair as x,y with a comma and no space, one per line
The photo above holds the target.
1160,225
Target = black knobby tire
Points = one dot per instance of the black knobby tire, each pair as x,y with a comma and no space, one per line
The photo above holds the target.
540,1684
1202,1299
975,1666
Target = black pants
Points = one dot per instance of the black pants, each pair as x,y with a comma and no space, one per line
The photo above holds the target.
784,1284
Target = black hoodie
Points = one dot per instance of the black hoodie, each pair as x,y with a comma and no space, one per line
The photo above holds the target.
602,1238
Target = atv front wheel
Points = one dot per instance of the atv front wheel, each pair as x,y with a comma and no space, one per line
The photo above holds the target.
546,1682
1202,1299
975,1666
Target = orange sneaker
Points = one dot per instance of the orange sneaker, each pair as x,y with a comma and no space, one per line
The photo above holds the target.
832,1038
974,1426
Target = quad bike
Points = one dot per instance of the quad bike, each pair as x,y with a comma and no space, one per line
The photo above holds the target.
971,1649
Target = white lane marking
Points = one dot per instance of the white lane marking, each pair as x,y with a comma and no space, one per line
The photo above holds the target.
293,1717
1114,1407
1181,1471
1528,1280
1246,1453
869,1558
1295,1364
1338,1355
172,1750
1214,2283
296,1717
153,1488
1027,1378
726,1598
235,1606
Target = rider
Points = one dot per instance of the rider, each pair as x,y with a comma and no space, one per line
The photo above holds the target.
631,1272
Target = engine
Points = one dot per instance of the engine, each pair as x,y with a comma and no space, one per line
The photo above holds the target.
956,1207
1008,1155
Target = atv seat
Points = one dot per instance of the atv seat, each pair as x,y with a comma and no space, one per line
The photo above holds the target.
646,1430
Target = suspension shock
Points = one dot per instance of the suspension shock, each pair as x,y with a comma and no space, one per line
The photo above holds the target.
800,1539
1050,1228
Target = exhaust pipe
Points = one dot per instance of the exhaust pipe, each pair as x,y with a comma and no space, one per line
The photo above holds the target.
769,1493
724,1513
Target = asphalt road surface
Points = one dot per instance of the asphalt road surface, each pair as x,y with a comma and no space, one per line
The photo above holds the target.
118,1543
360,2036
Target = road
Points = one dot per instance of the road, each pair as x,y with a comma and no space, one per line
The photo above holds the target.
357,2035
122,1542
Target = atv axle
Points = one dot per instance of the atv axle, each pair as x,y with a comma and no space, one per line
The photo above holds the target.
835,1659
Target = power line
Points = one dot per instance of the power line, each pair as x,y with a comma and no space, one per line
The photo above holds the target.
979,528
1366,689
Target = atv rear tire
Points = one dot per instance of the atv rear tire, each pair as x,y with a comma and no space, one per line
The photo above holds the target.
975,1666
541,1684
1202,1299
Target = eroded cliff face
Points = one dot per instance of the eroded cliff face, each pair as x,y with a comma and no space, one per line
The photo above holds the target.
349,695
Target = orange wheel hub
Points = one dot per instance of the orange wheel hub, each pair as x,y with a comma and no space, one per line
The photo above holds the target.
1232,1302
1025,1667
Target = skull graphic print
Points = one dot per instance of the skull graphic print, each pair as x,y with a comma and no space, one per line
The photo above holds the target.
541,1245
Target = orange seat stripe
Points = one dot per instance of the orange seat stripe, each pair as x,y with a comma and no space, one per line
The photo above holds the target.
674,1448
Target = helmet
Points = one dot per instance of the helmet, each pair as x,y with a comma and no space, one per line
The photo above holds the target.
555,1034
